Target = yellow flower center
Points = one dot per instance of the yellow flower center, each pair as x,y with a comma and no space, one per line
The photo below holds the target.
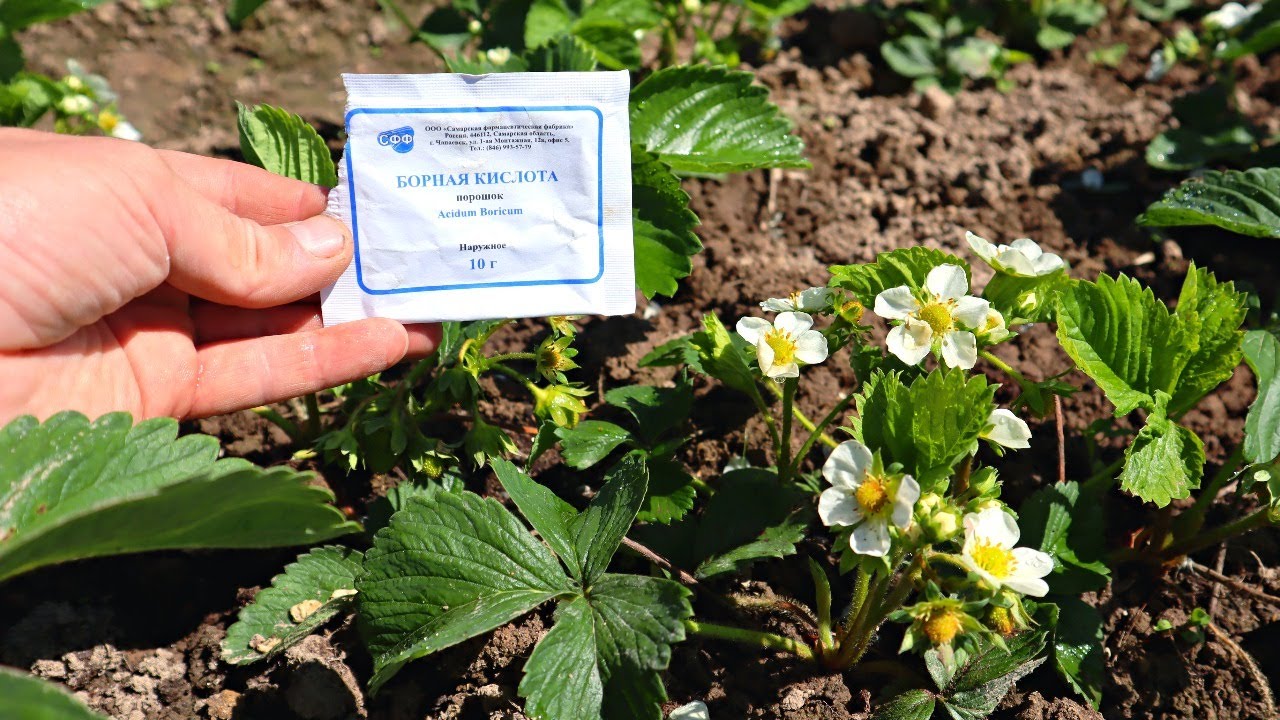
108,121
872,495
783,345
938,316
997,561
942,625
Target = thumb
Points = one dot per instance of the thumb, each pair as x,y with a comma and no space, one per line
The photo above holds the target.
224,258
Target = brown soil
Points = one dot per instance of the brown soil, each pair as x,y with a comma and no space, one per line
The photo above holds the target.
138,637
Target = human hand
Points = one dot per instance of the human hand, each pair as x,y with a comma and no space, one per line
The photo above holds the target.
163,283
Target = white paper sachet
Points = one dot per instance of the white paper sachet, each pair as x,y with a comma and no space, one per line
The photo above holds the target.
477,197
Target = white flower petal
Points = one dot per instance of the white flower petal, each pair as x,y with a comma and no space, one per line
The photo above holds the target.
753,328
1028,247
1048,263
1032,563
1014,262
1035,587
782,372
947,282
910,341
904,505
838,508
981,246
871,538
692,711
1008,430
992,526
777,305
847,465
815,299
765,356
126,131
960,349
896,303
793,323
811,347
971,311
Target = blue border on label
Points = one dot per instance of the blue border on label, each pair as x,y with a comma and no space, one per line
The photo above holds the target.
355,227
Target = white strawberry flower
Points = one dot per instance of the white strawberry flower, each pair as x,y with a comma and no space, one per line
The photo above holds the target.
693,711
1007,430
1231,16
993,330
944,319
1023,257
815,299
864,496
989,540
783,345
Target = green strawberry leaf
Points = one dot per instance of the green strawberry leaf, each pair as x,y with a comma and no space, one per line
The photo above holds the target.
16,15
603,656
663,228
722,359
447,570
1262,425
671,492
657,410
909,266
928,426
564,54
980,684
72,489
1077,648
703,119
25,697
1245,202
1120,335
1164,462
584,541
1056,521
316,587
240,10
1218,311
285,144
910,705
589,442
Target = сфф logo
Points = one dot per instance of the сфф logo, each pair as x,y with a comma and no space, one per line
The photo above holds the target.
401,139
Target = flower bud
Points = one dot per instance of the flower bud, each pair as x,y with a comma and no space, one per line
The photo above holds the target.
474,27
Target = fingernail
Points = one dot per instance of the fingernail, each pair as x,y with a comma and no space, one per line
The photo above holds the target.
321,236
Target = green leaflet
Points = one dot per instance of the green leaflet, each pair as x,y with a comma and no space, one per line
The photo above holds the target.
584,541
671,492
25,697
910,705
602,657
657,410
1120,335
1217,311
1262,426
702,119
909,266
976,688
326,575
720,358
447,570
589,442
1077,648
285,144
72,489
1056,521
564,54
751,517
928,426
606,27
1245,202
18,14
663,227
1164,462
240,10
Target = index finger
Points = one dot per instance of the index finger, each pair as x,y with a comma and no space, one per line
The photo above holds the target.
248,191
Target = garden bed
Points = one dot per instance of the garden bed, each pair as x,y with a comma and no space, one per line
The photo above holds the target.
139,636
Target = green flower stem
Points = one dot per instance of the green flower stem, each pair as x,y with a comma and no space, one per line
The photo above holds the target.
1193,519
784,452
803,419
819,432
822,591
507,357
1007,369
754,638
1216,535
313,415
289,427
768,419
851,653
514,375
865,595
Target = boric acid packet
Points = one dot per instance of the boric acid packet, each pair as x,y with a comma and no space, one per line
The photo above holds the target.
485,196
